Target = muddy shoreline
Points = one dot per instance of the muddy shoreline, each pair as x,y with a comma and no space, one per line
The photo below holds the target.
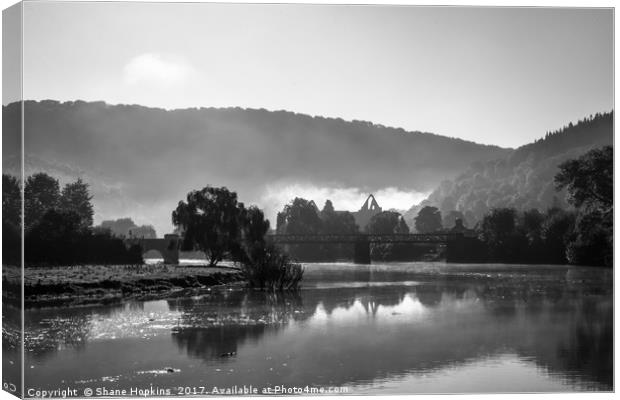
98,284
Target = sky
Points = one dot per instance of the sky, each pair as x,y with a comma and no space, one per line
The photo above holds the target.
499,76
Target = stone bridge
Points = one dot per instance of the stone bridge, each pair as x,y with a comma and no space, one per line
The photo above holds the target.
168,246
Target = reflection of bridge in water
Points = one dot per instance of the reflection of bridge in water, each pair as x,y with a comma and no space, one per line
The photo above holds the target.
455,242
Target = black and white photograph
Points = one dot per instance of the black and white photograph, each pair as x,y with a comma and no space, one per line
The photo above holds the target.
207,199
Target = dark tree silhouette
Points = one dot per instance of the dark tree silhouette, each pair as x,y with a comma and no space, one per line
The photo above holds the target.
589,179
252,230
582,237
337,222
11,220
593,243
589,182
300,217
57,226
55,238
556,232
402,226
209,221
76,197
531,223
11,200
386,222
498,231
328,208
253,224
428,220
41,194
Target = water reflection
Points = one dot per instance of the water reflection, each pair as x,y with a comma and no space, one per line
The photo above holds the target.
379,329
11,347
216,324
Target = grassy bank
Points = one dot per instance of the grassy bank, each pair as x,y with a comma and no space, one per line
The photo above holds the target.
88,284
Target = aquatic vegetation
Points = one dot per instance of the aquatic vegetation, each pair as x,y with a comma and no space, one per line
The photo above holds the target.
267,267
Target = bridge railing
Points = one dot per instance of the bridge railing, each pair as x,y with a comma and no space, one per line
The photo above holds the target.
370,238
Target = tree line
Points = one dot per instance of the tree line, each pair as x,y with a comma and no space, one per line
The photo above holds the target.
58,225
581,234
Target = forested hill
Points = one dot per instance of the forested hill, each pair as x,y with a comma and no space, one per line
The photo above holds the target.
137,157
524,178
238,142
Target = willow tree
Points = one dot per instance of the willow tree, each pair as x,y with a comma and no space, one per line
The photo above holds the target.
209,221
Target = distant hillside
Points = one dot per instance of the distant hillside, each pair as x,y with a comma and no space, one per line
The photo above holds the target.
143,160
524,178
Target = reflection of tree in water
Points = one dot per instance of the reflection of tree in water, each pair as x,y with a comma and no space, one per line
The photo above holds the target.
588,349
370,297
429,295
221,306
593,341
217,341
559,326
570,339
215,325
381,296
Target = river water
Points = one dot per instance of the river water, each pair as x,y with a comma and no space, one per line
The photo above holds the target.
383,328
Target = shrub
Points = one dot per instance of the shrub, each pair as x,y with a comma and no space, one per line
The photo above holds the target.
266,267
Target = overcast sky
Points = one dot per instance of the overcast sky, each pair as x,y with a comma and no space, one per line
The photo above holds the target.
490,75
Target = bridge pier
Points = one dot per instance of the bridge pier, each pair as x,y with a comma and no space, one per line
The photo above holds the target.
168,247
361,253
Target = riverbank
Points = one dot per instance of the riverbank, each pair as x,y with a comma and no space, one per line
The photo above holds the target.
105,284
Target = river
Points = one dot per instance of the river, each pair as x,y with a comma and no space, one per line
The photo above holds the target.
383,328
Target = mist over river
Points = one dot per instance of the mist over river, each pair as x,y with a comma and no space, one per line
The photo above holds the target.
381,328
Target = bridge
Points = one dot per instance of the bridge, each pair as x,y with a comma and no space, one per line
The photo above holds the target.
168,246
455,241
